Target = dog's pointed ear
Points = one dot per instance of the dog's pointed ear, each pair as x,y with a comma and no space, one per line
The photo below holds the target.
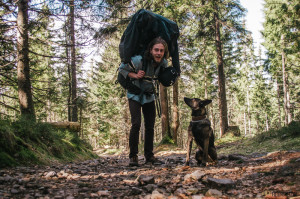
206,102
188,101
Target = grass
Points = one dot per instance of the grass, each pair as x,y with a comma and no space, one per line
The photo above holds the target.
286,139
25,142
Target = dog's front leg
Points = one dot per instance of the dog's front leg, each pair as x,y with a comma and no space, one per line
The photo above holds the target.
205,151
189,148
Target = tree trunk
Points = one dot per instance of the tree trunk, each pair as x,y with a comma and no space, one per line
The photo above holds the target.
24,84
278,103
73,63
221,76
80,122
267,122
69,74
75,126
245,123
206,89
205,80
165,126
288,116
248,111
175,124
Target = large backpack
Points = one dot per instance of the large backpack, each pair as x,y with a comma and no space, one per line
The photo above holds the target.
143,28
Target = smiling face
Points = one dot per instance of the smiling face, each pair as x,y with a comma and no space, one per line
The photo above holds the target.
157,52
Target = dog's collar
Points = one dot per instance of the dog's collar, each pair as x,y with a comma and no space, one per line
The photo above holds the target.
200,121
197,118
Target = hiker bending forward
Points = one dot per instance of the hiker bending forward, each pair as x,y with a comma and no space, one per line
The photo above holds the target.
146,67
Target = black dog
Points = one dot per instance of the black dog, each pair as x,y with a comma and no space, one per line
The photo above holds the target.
200,130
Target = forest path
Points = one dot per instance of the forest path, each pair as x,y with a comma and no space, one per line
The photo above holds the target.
235,176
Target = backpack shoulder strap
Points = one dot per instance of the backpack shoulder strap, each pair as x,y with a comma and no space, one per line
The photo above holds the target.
132,66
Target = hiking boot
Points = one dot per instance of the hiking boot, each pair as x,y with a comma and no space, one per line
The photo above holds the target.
134,161
153,160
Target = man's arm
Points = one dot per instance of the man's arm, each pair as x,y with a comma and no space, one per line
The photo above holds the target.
140,74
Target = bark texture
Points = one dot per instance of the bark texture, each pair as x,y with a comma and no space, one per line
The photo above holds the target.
221,76
73,63
165,126
23,69
175,124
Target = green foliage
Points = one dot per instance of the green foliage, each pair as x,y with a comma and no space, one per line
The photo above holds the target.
25,142
250,90
6,160
7,138
290,131
281,34
286,138
166,140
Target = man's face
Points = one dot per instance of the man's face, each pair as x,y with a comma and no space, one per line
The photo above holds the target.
158,51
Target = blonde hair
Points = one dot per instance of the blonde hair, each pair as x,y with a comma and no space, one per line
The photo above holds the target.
157,40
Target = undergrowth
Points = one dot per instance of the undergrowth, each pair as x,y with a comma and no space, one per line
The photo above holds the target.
24,142
286,138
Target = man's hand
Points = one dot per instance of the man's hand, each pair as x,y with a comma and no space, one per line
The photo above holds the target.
139,75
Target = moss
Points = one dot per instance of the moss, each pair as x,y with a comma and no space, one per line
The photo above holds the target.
286,138
26,156
27,142
6,160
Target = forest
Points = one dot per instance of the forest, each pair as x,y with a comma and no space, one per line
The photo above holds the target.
59,62
60,105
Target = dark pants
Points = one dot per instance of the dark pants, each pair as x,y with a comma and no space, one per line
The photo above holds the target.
149,119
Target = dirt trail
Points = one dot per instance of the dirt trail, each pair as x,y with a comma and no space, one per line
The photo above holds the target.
272,175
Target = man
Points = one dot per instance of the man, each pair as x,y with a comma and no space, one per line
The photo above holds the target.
146,67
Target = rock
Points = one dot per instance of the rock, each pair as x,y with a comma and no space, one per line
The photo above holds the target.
130,182
14,191
213,192
253,175
233,157
38,195
50,174
192,191
150,187
83,172
274,153
222,157
73,176
135,191
155,195
194,176
85,178
173,197
286,171
198,196
180,191
103,193
7,178
94,195
176,179
142,179
221,183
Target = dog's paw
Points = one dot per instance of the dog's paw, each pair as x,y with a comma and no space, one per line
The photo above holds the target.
213,163
187,163
201,164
